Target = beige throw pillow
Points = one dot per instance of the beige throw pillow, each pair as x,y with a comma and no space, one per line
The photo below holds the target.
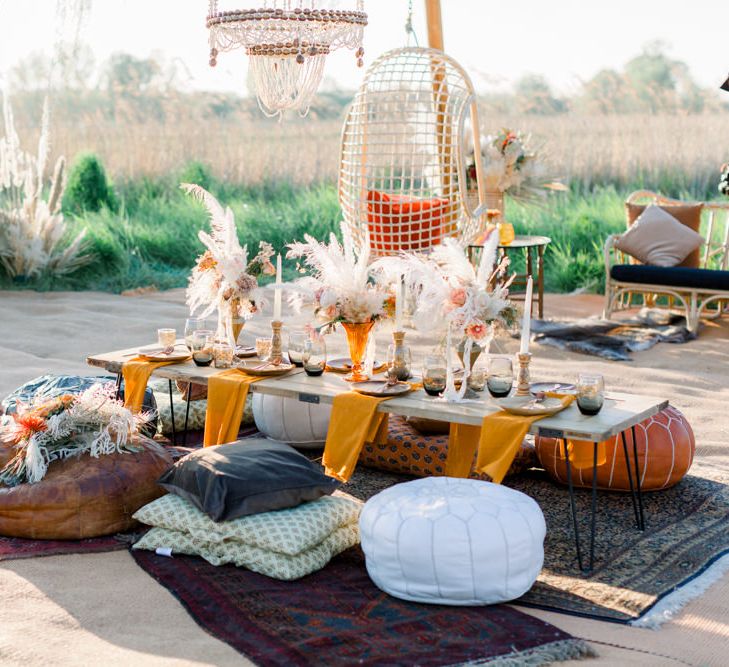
658,239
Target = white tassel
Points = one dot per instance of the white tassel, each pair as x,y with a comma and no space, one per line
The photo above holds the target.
35,463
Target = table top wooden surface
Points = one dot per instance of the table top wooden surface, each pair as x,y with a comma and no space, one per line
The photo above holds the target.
619,412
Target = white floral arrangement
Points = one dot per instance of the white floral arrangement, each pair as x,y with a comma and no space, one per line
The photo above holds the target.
455,298
224,279
93,422
340,283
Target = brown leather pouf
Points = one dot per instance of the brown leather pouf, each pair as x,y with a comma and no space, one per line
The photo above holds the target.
85,497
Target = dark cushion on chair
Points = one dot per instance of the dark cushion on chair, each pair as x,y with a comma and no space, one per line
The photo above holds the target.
673,276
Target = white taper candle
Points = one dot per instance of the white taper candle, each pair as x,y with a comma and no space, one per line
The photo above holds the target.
277,291
526,323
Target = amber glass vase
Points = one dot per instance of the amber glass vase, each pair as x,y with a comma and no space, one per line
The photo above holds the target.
358,333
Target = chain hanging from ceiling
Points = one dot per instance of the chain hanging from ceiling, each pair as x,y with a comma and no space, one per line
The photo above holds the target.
287,42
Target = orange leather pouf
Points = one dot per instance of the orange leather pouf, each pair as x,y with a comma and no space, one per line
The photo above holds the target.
666,448
411,453
85,497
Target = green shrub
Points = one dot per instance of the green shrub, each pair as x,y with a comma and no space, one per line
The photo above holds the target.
88,188
197,173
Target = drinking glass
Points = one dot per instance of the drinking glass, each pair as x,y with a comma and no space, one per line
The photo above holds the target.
222,355
434,374
202,347
477,378
297,341
192,324
500,376
263,348
314,356
590,393
166,337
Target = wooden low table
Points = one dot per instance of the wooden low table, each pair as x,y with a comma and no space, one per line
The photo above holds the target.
620,412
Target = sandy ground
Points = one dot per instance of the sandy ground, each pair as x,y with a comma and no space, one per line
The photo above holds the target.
103,609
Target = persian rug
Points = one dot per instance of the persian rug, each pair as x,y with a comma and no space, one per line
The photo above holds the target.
687,530
12,548
615,340
337,616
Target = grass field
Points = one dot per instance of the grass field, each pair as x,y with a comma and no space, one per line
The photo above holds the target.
279,180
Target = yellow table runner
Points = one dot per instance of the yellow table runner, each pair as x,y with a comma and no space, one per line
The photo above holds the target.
136,374
353,422
496,442
227,392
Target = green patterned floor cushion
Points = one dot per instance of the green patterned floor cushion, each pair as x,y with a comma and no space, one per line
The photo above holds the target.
288,531
196,418
270,563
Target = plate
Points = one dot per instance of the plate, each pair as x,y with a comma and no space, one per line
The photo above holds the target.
344,365
529,407
245,352
380,388
156,354
559,387
258,369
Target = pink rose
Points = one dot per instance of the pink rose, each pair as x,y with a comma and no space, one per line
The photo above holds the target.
458,296
477,330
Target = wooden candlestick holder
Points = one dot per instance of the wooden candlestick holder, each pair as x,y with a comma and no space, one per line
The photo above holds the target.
523,383
276,351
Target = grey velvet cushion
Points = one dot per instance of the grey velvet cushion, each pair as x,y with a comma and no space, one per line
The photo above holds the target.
658,239
246,477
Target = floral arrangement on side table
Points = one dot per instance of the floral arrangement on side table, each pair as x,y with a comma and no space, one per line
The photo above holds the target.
224,279
92,422
342,290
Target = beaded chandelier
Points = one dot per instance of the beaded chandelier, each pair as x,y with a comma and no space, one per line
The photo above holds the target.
287,42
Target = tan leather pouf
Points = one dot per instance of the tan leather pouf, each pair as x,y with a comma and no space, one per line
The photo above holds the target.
665,446
83,496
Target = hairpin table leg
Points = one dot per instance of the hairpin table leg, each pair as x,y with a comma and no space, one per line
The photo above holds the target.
117,395
172,416
629,468
187,413
572,502
637,480
593,519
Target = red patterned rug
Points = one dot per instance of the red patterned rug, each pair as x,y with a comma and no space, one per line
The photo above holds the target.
17,547
338,617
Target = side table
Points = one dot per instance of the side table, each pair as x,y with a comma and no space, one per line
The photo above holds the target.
525,243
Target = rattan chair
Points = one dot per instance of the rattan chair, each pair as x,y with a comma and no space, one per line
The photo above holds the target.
704,292
402,177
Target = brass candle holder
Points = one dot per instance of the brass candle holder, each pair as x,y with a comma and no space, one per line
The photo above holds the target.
276,351
523,383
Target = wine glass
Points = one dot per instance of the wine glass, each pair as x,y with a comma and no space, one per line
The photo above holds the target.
297,341
314,356
500,376
590,393
434,374
192,324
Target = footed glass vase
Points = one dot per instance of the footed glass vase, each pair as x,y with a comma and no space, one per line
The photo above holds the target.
358,334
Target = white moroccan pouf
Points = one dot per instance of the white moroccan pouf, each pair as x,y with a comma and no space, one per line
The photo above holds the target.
289,420
453,541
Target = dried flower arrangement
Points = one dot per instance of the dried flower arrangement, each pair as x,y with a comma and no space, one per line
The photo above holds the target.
93,422
224,279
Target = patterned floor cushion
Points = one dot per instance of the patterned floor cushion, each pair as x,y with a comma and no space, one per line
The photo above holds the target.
264,561
196,419
411,453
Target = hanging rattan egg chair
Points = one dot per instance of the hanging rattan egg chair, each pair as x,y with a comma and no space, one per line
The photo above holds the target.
402,177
